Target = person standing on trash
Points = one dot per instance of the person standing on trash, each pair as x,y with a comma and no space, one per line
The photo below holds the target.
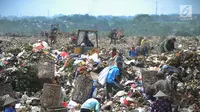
161,104
133,52
73,38
53,35
113,52
119,34
112,80
145,46
167,45
92,104
119,59
9,104
112,35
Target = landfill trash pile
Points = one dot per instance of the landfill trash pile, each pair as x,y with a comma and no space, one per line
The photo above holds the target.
28,64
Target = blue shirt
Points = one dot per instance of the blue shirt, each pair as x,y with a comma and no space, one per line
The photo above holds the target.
133,53
91,104
112,74
9,109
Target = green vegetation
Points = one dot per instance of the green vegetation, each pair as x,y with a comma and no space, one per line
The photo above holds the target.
161,25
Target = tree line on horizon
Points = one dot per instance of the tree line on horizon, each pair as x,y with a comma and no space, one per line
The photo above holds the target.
140,25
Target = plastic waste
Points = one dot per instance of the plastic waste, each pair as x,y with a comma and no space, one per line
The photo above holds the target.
103,75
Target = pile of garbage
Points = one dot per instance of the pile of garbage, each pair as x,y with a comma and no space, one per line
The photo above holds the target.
30,68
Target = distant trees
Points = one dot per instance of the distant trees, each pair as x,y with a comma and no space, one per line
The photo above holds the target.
158,25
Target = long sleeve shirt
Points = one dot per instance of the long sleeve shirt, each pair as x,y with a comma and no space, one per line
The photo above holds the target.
112,74
91,104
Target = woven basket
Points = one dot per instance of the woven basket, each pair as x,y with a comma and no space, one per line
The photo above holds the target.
82,90
45,70
5,89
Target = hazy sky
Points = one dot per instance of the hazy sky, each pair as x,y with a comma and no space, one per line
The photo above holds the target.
93,7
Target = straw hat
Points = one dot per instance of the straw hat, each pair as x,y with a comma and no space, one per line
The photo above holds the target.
160,94
9,100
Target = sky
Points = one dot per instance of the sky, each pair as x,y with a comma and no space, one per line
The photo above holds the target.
93,7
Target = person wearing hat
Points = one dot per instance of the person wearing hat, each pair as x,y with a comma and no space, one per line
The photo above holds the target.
167,45
161,104
112,35
169,70
92,104
9,104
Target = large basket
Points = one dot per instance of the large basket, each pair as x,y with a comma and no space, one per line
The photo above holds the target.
4,90
148,77
46,70
51,95
83,88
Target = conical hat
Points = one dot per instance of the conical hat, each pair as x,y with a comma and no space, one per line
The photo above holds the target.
9,100
160,94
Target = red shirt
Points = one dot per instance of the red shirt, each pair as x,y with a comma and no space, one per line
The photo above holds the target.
73,38
112,54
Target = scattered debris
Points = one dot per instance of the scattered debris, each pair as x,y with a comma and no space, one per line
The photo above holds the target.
27,67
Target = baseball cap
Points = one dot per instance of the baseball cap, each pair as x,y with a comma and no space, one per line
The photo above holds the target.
165,67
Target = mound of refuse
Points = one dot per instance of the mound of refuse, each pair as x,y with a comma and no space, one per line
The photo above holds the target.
38,73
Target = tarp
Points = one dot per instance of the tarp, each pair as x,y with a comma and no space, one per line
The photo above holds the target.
103,75
40,46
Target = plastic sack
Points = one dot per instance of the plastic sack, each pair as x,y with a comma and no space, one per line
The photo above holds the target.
72,104
39,46
103,75
45,44
95,92
95,58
